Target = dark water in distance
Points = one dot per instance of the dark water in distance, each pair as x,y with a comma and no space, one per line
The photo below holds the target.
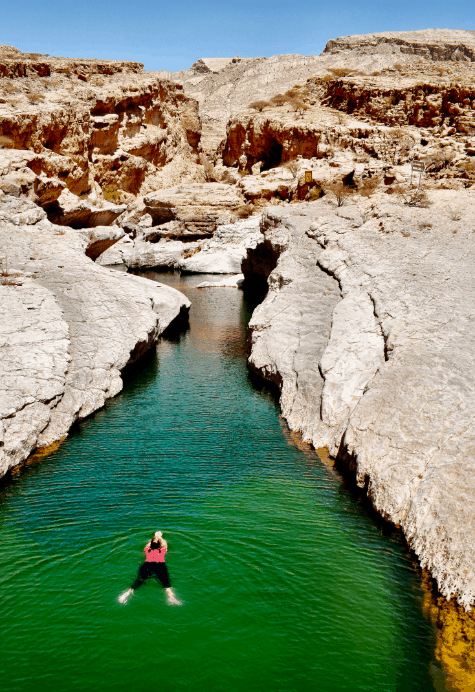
288,583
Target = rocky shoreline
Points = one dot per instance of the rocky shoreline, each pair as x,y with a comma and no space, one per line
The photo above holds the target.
367,328
68,328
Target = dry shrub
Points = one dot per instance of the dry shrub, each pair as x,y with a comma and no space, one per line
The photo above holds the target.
10,87
315,193
340,71
111,194
298,105
469,166
208,168
376,73
342,119
425,224
439,160
398,66
34,97
292,166
245,211
279,99
340,191
368,186
412,197
260,105
454,214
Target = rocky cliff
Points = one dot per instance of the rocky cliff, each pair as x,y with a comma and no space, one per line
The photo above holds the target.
105,131
226,87
67,327
368,328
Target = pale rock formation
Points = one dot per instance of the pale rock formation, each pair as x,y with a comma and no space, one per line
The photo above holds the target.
106,129
70,210
234,281
228,90
193,210
101,238
67,327
220,254
224,252
368,330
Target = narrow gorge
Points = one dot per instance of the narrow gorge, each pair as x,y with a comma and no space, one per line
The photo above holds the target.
335,196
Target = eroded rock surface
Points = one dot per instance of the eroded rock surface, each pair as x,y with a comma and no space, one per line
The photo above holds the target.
193,210
368,328
220,254
68,327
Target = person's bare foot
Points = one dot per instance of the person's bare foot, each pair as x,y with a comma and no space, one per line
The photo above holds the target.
172,599
124,596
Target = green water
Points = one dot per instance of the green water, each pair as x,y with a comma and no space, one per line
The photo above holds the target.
288,582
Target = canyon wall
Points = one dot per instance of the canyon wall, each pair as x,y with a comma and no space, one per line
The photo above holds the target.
367,328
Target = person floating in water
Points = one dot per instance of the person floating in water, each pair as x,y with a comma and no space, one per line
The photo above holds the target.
154,564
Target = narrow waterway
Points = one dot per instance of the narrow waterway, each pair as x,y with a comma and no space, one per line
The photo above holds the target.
289,583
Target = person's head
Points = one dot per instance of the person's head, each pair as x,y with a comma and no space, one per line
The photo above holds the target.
156,543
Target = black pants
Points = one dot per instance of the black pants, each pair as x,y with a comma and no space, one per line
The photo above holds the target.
158,569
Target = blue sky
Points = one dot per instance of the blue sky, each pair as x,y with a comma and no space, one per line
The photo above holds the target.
172,35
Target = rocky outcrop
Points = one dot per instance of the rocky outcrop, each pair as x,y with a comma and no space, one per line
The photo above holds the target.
70,210
221,254
430,44
109,131
193,210
226,89
367,328
67,327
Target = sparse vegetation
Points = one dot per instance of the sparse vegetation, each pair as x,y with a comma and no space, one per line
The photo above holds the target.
292,166
111,194
35,97
260,105
208,168
412,197
298,105
340,191
341,71
279,100
454,214
315,193
368,186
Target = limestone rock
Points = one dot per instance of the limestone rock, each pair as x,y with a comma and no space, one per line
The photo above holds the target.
106,128
221,254
70,210
67,328
367,328
224,252
198,209
100,238
235,281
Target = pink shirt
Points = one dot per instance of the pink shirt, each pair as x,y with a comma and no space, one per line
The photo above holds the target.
155,555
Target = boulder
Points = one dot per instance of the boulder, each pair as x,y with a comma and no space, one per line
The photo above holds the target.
70,210
100,238
197,209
